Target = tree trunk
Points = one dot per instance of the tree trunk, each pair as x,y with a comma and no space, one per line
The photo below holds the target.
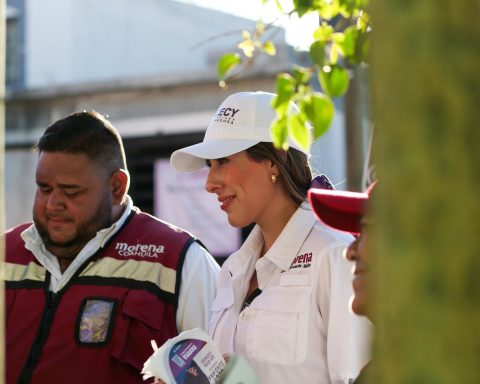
426,288
357,117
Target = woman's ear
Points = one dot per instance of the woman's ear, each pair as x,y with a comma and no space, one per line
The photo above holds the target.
274,168
119,183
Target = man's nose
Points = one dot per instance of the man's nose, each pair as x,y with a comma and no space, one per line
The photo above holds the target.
55,200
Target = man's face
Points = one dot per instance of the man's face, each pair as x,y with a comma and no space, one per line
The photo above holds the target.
358,253
72,202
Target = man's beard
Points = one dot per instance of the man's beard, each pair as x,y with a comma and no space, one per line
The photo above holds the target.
85,231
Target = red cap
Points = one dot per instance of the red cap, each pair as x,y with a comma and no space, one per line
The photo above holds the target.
341,210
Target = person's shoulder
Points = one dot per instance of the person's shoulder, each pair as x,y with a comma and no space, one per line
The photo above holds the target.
14,241
197,249
145,220
322,232
16,230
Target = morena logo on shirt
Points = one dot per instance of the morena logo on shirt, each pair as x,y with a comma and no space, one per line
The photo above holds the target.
226,115
140,250
302,261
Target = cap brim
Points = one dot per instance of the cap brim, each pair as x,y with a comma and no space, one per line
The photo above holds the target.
193,158
341,210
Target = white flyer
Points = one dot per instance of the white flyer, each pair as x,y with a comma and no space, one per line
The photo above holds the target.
189,358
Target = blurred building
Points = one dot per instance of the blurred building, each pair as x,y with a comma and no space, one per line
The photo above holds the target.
149,65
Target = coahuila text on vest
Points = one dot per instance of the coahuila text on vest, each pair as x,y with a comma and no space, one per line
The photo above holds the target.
141,250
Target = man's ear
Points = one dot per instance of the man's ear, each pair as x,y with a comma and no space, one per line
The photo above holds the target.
119,183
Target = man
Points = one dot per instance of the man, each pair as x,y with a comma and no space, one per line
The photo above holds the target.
349,212
93,280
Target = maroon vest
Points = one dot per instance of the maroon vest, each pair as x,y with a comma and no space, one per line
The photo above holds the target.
98,328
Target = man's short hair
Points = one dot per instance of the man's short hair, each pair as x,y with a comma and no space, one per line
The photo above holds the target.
88,133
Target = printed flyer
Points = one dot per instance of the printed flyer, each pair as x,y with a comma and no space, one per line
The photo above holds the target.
189,358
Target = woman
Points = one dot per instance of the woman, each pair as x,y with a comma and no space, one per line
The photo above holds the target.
283,296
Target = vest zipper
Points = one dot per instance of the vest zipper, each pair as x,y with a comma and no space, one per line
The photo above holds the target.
51,304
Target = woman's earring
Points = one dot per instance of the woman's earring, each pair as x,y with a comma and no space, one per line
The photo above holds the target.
274,178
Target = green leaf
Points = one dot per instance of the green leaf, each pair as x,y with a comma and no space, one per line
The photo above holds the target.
365,46
279,5
329,10
269,48
317,52
302,75
227,63
285,90
350,44
323,33
320,111
347,8
280,133
335,49
334,80
303,6
338,37
298,130
363,21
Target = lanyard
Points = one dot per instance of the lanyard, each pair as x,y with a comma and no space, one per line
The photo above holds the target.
250,298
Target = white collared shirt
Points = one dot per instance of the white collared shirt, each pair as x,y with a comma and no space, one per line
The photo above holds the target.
300,328
199,273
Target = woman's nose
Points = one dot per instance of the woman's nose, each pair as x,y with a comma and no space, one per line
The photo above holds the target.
212,183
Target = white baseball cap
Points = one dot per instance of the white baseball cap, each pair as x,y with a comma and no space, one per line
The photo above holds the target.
242,121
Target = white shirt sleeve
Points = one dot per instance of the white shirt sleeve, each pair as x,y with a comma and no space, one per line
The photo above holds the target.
198,288
348,335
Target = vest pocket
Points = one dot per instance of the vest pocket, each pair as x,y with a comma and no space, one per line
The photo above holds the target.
95,321
141,319
144,307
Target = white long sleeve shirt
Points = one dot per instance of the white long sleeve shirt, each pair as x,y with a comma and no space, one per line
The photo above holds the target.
300,329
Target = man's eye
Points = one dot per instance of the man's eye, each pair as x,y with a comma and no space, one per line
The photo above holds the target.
44,189
72,193
208,163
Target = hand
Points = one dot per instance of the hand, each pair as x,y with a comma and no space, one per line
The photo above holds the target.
193,371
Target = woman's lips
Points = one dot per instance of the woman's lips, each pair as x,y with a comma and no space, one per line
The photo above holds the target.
225,201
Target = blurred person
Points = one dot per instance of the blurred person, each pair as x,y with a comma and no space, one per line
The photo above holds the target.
283,296
349,212
93,279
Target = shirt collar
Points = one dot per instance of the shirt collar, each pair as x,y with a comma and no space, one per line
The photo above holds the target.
285,247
